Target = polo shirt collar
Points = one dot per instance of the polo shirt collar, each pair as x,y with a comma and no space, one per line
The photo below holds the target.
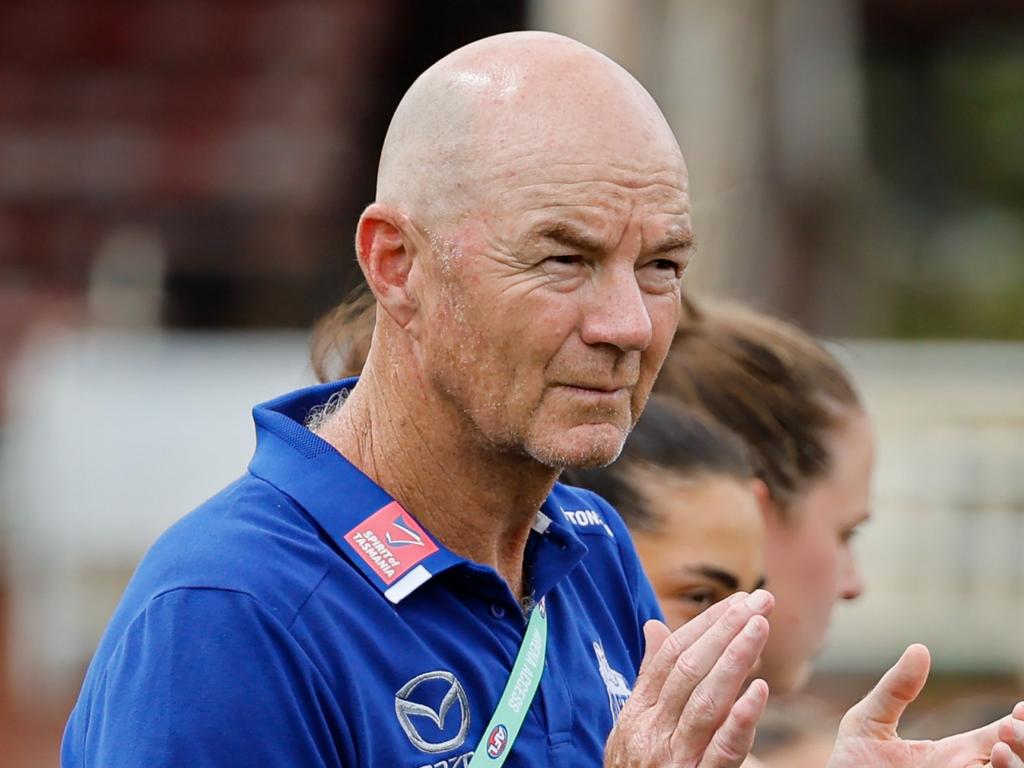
369,527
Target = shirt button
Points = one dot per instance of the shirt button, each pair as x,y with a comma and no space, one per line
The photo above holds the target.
497,611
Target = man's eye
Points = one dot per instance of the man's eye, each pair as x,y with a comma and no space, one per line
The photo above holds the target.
660,275
566,258
667,265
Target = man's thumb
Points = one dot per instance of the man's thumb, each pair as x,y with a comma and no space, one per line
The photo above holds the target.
878,713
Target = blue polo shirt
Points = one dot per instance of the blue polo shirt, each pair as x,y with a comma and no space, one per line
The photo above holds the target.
302,618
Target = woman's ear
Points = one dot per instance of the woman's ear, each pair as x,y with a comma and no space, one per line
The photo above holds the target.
386,253
770,511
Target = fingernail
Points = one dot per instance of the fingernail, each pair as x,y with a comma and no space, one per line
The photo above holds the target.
758,600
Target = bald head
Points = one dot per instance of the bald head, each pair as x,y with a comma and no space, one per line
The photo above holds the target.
522,94
526,248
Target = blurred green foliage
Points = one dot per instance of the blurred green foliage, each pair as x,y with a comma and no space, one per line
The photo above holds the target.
946,141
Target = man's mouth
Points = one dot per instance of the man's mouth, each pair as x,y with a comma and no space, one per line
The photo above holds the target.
597,389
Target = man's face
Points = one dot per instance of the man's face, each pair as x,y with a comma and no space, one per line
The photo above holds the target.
551,306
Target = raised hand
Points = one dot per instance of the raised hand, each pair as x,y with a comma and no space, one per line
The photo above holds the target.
867,734
683,712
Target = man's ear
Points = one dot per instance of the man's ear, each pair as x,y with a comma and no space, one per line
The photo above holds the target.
386,253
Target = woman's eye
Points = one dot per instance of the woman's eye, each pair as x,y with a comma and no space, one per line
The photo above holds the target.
702,599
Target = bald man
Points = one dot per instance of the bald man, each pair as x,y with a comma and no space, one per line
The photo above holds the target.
398,580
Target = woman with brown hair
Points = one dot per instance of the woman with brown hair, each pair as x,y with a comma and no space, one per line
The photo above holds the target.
685,487
812,445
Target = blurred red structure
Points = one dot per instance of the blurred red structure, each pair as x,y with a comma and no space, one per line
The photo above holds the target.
221,128
221,150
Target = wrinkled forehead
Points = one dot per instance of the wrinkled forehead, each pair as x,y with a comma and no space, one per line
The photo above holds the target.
562,160
560,133
595,198
573,120
552,178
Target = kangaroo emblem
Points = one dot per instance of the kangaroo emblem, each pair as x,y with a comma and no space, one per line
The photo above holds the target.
614,682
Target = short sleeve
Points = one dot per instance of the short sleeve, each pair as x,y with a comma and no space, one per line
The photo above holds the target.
205,677
644,601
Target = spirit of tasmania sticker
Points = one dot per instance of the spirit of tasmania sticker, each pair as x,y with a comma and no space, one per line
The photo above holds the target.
390,542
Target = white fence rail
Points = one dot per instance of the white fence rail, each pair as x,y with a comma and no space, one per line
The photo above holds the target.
112,437
944,559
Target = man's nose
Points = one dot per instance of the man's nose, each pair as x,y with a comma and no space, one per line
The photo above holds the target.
617,313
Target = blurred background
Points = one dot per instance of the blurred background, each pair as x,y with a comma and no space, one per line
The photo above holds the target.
179,184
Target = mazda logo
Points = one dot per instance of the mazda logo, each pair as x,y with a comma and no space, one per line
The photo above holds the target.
418,698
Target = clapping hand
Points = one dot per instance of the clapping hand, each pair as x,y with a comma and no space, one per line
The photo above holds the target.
867,734
684,711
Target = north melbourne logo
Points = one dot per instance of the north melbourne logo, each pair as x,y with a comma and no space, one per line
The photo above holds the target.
428,708
615,684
